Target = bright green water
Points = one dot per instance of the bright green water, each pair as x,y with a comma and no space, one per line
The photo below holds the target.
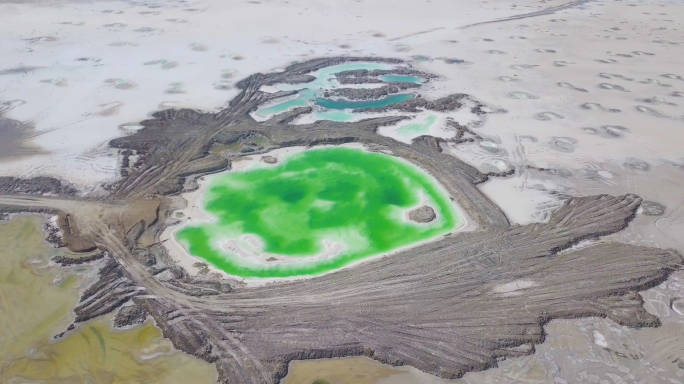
348,104
409,79
334,195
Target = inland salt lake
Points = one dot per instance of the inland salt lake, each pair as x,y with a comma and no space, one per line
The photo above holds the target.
314,212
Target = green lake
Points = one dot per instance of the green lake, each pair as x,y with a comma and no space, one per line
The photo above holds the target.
316,211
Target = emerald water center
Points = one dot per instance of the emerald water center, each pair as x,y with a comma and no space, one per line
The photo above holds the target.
314,212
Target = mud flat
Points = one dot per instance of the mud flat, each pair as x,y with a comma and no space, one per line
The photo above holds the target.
38,297
458,304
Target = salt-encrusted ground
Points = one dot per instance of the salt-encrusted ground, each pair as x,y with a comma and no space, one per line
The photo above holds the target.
593,95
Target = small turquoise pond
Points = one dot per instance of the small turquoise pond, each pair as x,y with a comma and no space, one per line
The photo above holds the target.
399,78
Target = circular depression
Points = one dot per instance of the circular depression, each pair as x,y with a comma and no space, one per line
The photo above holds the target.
313,212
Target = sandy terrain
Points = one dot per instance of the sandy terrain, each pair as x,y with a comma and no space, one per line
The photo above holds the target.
470,299
593,97
76,107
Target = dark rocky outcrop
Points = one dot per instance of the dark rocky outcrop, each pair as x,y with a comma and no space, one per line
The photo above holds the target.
66,261
111,291
364,76
424,214
269,159
40,185
129,316
369,93
443,104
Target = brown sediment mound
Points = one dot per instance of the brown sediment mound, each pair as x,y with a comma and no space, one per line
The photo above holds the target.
66,261
41,185
298,73
71,236
439,307
443,104
424,214
269,159
369,93
364,76
111,291
128,316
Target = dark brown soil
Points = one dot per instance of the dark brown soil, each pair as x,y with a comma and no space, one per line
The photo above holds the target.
436,306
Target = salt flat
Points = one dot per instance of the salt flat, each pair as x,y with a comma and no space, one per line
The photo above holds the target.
577,99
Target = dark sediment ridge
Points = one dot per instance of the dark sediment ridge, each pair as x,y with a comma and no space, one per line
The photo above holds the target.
369,76
438,306
128,316
370,93
443,104
41,185
422,214
66,261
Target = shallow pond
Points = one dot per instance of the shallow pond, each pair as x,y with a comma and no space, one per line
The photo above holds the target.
36,302
419,128
401,78
352,370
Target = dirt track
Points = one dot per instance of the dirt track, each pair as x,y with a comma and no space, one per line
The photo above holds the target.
448,307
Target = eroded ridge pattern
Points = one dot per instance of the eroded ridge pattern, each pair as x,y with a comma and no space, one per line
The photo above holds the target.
447,307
